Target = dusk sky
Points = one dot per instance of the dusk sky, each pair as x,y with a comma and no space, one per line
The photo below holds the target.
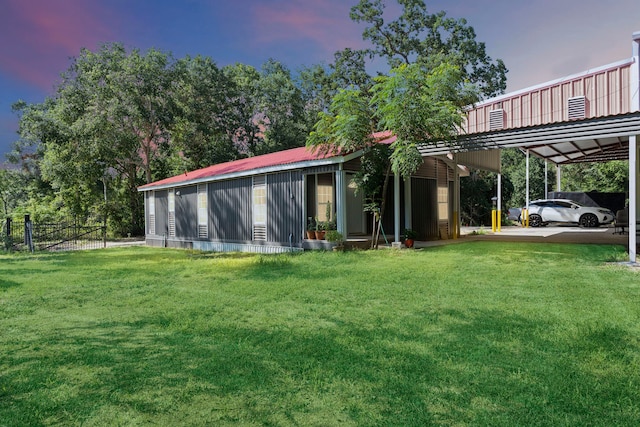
539,40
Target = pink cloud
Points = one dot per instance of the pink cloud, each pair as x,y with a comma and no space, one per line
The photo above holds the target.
39,37
325,23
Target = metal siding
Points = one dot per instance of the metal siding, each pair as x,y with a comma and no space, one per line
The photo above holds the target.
606,91
320,169
284,207
230,213
427,169
162,213
187,213
353,165
483,159
424,207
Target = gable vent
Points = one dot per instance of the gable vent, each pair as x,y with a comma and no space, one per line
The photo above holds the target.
496,119
577,107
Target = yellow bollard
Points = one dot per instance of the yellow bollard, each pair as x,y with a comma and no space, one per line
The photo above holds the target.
499,220
524,217
493,220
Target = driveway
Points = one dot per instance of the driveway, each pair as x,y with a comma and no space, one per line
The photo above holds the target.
554,234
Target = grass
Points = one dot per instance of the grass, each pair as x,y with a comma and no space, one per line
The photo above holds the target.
478,333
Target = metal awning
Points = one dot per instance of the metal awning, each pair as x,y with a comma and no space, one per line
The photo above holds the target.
589,140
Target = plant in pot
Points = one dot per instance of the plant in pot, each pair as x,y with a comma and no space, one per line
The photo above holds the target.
320,229
311,228
336,237
410,237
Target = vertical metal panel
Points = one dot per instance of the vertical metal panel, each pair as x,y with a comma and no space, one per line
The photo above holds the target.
424,207
427,169
230,214
162,212
285,207
606,91
187,213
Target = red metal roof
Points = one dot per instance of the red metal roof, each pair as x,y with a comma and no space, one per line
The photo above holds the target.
294,155
280,158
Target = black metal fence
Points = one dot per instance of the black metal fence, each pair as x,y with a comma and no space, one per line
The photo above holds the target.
63,236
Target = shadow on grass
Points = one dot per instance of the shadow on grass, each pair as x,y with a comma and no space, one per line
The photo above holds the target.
6,284
441,367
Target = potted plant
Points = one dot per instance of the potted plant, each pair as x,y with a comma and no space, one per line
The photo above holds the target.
336,237
321,229
311,228
409,237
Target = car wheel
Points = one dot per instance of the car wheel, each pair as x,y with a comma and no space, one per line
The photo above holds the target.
589,220
535,220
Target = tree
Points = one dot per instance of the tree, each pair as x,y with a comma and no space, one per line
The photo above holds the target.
205,123
270,108
438,68
417,36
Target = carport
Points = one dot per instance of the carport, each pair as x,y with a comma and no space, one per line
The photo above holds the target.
587,117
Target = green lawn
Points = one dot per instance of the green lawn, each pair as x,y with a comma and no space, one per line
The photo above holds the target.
477,333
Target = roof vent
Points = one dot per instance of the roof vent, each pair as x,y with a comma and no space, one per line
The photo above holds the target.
577,108
496,119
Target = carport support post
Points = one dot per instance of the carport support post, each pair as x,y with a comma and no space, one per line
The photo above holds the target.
499,215
558,175
525,220
396,207
633,197
634,91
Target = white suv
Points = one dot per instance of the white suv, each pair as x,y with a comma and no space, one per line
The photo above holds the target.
542,212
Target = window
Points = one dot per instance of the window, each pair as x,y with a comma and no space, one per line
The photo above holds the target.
203,229
324,197
152,213
443,203
172,212
260,208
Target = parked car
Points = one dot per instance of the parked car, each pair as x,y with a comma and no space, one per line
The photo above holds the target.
514,214
543,212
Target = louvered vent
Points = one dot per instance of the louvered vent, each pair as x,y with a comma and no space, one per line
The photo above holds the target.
152,224
172,224
496,119
577,107
260,232
203,231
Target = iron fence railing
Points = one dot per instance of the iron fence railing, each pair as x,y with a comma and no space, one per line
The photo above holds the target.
62,236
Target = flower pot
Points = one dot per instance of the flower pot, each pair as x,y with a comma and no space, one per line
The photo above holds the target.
408,243
311,235
320,235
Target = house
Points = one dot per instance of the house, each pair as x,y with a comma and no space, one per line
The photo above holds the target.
263,203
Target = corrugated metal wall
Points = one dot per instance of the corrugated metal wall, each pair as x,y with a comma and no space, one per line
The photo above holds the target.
230,214
424,207
606,92
162,213
285,207
187,213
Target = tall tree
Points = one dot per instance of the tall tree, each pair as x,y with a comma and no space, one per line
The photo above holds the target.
205,124
421,37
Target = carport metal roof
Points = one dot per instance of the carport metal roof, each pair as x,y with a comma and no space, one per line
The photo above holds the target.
588,140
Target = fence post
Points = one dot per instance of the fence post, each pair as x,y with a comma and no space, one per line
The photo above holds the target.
26,229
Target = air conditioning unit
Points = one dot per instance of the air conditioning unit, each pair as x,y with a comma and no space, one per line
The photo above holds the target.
577,108
496,119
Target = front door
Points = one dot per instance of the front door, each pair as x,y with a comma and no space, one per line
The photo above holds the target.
356,220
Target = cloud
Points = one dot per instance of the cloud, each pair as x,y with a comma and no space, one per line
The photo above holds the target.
39,37
323,23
